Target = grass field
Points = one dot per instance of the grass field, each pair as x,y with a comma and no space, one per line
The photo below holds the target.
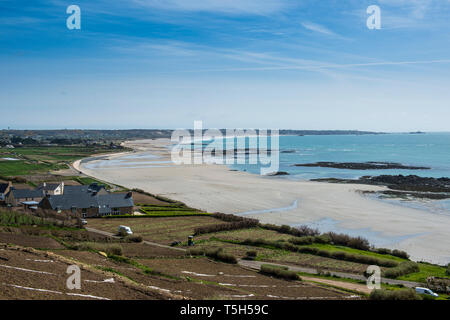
22,167
53,154
333,248
34,160
426,270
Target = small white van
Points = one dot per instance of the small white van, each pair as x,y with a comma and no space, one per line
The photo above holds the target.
426,291
125,231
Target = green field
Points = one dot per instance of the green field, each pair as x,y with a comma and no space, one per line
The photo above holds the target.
56,154
35,160
19,168
426,270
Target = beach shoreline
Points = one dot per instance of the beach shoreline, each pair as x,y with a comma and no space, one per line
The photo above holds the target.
216,188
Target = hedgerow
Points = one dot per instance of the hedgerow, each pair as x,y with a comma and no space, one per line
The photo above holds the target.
348,241
243,224
216,254
401,294
279,272
403,268
300,231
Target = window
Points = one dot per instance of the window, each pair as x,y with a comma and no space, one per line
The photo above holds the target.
115,211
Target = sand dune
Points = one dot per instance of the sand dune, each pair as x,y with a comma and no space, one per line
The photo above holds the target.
215,188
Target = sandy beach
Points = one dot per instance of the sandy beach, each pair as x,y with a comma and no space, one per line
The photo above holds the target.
215,188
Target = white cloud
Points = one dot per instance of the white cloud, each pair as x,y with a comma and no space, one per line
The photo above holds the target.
317,28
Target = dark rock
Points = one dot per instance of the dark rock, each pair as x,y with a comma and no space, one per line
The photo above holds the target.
371,165
419,187
278,173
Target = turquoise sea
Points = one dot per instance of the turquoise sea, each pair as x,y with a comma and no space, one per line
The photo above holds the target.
429,150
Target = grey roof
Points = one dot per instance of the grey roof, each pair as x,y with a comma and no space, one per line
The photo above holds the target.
85,200
27,193
49,186
3,187
83,188
75,189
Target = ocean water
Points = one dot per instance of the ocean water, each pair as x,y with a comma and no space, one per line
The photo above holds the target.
429,150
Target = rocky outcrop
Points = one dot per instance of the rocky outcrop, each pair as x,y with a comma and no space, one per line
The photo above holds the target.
415,186
371,165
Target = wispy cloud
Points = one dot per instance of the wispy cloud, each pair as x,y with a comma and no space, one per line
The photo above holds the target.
317,28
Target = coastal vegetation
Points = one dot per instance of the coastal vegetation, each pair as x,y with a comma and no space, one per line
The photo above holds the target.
405,267
401,294
216,254
279,272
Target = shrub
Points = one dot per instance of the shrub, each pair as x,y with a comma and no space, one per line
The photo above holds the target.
346,240
400,254
341,255
302,240
300,231
403,268
447,272
224,257
236,225
310,239
279,272
401,294
323,238
269,244
229,217
216,254
382,251
133,238
251,255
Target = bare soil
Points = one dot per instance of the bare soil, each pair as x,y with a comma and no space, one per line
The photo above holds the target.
29,274
29,241
249,283
141,250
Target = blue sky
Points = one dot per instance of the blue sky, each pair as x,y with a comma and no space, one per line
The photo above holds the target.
298,64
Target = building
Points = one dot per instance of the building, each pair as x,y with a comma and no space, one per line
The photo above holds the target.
89,201
15,197
4,190
52,188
